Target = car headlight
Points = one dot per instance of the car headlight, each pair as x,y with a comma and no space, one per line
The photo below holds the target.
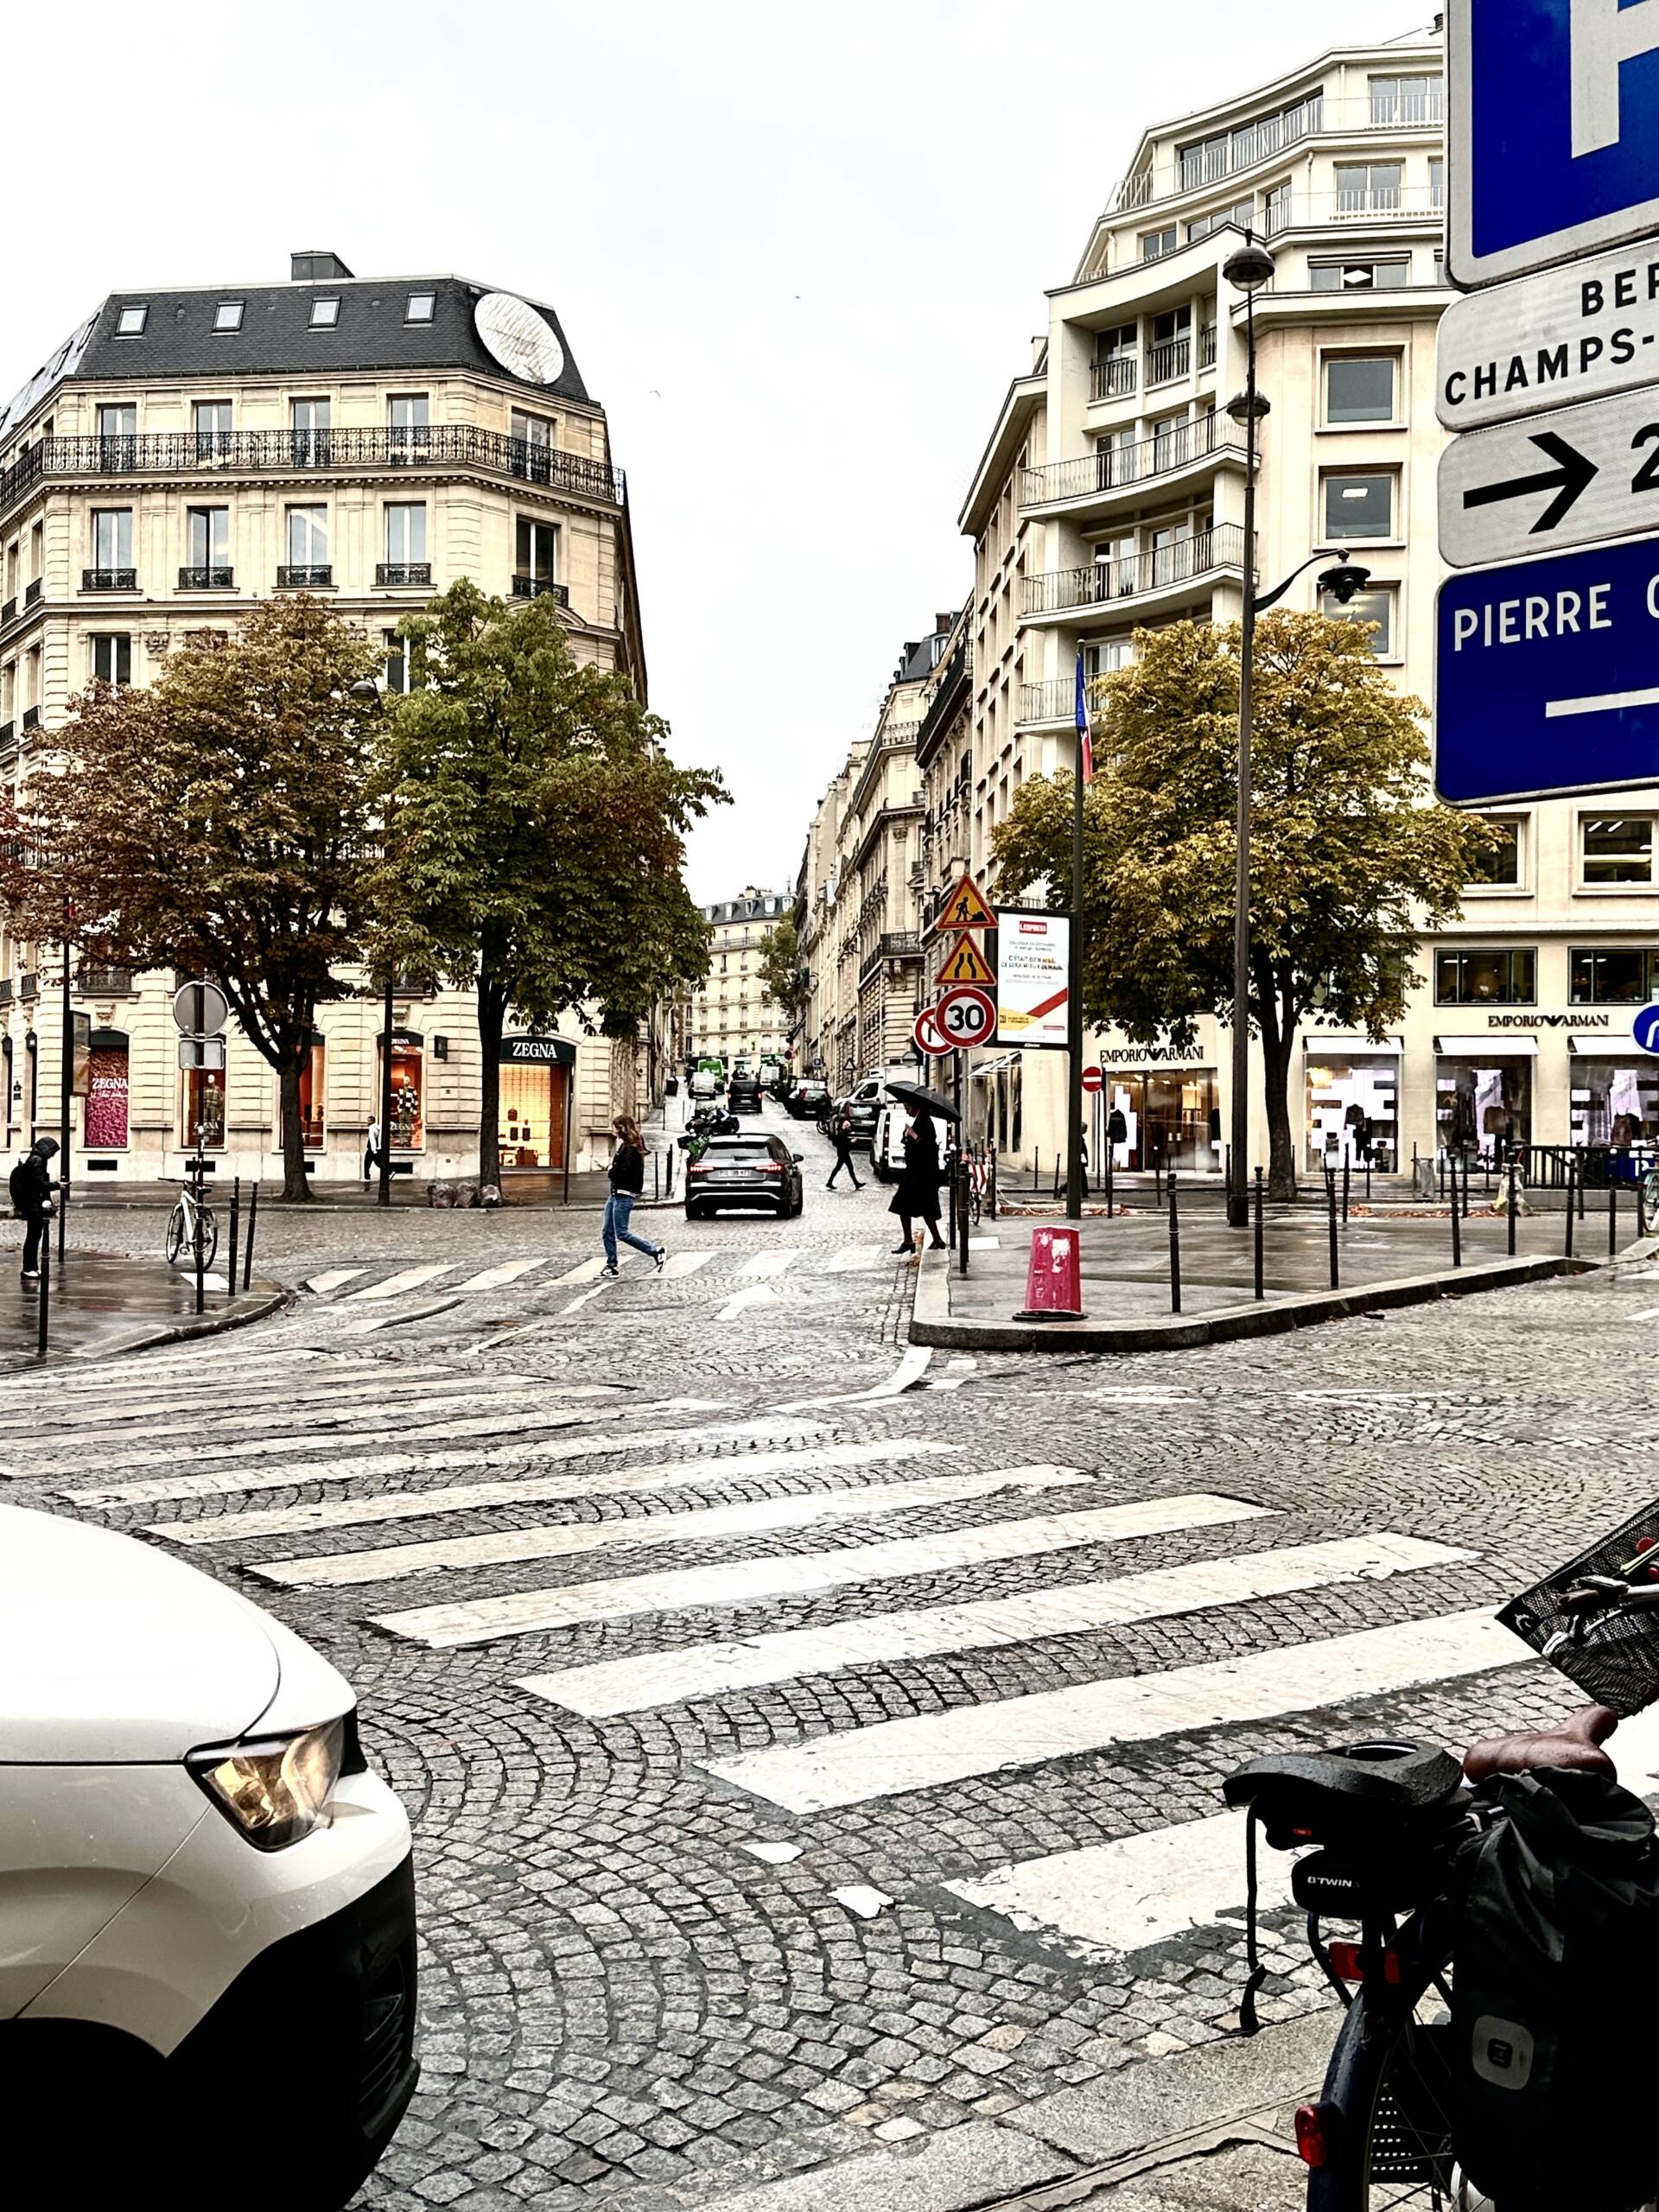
274,1792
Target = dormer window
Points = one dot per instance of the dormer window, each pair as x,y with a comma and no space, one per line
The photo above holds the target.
418,308
325,313
227,315
131,322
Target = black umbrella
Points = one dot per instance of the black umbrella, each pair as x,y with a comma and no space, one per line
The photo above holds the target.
921,1100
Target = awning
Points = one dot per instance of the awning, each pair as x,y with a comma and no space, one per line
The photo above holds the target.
1341,1043
1605,1045
991,1067
537,1052
1498,1044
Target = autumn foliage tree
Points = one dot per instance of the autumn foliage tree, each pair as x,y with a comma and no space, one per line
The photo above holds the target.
215,823
1350,857
535,832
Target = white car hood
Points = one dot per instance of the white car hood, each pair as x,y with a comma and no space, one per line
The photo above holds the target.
112,1652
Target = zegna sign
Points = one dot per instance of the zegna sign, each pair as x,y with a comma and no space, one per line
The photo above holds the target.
537,1052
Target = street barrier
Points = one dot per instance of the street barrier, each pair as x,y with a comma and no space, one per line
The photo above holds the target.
253,1224
1174,1248
1457,1226
1330,1216
44,1327
1053,1277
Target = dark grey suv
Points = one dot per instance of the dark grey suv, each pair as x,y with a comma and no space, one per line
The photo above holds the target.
747,1171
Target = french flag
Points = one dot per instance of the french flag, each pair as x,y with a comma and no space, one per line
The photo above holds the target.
1085,737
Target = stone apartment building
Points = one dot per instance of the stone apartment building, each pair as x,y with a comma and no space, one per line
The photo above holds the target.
1109,497
730,1012
187,451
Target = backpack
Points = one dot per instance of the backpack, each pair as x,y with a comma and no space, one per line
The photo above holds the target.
1555,1964
21,1186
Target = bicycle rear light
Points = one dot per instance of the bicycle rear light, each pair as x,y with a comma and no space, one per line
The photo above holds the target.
1315,2134
1348,1963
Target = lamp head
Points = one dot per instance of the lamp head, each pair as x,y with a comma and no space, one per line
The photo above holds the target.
1242,406
366,691
1345,581
1248,267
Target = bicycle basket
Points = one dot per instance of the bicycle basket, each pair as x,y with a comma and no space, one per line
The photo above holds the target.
1612,1657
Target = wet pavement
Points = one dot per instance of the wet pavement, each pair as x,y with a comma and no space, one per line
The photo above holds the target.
100,1302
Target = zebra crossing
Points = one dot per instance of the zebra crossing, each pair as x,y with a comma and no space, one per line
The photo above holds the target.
490,1484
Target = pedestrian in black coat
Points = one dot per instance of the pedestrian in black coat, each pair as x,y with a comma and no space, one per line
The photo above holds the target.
841,1137
32,1189
918,1195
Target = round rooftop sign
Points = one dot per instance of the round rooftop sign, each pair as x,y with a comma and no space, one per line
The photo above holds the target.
518,338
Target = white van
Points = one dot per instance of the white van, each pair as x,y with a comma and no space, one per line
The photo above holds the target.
887,1145
206,1899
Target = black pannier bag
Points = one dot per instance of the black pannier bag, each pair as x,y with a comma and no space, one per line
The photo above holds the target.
1554,2034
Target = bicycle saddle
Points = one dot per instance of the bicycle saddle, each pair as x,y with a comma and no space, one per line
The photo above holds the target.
1302,1797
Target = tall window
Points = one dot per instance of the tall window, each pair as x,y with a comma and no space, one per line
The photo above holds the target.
400,662
111,537
1367,188
1616,847
405,533
531,429
407,422
537,561
1358,505
210,419
1501,866
1375,605
1505,976
1407,99
117,431
311,1095
1436,180
308,537
1359,388
208,535
112,658
308,422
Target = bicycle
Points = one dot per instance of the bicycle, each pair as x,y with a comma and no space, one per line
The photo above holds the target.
189,1209
1388,1821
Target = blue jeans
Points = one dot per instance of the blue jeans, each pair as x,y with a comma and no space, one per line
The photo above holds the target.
618,1207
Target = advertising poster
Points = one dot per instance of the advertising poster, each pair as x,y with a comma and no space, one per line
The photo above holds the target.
1033,951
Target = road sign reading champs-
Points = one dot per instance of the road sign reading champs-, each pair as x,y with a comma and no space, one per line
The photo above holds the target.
1546,677
1573,334
1551,480
1553,150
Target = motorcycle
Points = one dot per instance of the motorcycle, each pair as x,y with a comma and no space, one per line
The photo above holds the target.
708,1121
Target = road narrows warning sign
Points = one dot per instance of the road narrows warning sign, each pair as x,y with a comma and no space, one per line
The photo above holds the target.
963,964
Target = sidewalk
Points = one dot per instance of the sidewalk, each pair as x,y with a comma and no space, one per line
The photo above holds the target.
101,1304
1383,1260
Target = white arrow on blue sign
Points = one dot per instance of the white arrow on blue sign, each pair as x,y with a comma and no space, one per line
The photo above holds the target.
1645,1029
1546,677
1554,131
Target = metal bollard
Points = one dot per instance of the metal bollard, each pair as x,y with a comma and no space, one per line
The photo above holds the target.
236,1222
45,1315
253,1224
1347,1163
1174,1249
1578,1168
1330,1215
1612,1218
1641,1207
1456,1229
1111,1149
1511,1172
201,1255
1572,1192
1260,1290
1465,1186
963,1210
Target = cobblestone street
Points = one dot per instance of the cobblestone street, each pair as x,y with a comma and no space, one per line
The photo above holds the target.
815,1745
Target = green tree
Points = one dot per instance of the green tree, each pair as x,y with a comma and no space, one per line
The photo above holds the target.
782,976
535,832
1351,858
215,823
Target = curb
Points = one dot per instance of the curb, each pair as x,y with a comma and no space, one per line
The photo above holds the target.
180,1328
932,1322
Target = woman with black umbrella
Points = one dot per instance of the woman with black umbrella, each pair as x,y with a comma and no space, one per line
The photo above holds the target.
918,1195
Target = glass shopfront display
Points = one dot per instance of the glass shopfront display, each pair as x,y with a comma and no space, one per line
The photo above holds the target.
534,1111
408,1088
311,1095
1171,1118
1353,1107
204,1108
1614,1101
107,1091
1483,1104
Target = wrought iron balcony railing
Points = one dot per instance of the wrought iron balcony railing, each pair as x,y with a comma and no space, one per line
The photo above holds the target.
32,592
31,718
107,982
28,988
389,573
7,611
1113,378
541,587
1109,468
206,578
311,579
109,580
1137,574
1170,357
5,990
1207,347
7,731
255,453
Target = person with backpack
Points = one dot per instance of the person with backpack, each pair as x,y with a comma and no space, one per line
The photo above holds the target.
628,1180
841,1135
33,1187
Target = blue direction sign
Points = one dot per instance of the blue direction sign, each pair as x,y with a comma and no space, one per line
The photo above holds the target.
1546,676
1554,131
1645,1029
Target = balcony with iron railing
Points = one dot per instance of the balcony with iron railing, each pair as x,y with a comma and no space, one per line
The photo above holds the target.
1169,359
7,608
1113,378
308,453
396,575
1121,467
109,580
1359,206
31,718
893,945
1137,575
1229,152
315,578
206,578
28,988
32,592
541,587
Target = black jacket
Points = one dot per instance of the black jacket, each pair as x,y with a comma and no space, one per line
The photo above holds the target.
38,1183
628,1169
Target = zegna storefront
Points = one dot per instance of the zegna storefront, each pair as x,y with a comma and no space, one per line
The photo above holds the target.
533,1128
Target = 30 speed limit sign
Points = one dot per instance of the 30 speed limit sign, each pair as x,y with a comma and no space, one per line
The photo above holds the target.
966,1015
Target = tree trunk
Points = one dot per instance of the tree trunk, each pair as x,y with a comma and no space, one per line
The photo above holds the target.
296,1185
1276,1053
491,1019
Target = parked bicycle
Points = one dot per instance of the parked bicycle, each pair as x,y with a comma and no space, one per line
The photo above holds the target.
191,1215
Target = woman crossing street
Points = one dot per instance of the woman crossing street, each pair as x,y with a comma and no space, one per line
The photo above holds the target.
627,1181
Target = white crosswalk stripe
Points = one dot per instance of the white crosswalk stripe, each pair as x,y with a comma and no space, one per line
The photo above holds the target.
563,1539
473,1498
332,1279
747,1582
499,1278
629,1685
411,1279
681,1264
777,1262
895,1756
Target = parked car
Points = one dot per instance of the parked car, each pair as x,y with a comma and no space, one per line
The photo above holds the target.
863,1104
743,1094
887,1147
746,1171
206,1900
705,1083
806,1101
774,1076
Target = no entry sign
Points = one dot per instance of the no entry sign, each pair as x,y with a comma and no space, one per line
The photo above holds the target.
1093,1079
928,1036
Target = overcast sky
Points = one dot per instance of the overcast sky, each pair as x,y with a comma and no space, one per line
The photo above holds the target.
798,252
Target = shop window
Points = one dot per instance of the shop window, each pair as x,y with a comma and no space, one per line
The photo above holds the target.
1505,976
1352,1101
1616,847
1358,507
408,1089
203,1109
1359,388
1615,1101
106,1092
312,1095
1483,1107
1614,975
1501,865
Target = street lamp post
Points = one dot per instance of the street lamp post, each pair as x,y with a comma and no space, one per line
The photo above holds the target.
1248,269
368,693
